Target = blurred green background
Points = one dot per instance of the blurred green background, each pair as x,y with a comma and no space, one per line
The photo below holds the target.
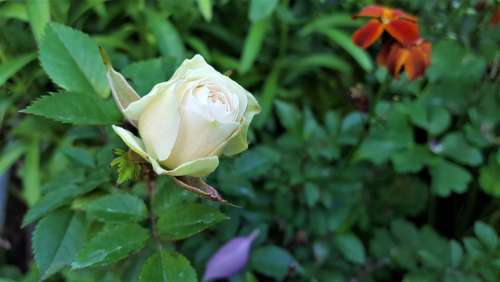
344,186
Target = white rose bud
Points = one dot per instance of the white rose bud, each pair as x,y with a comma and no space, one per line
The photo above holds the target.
187,122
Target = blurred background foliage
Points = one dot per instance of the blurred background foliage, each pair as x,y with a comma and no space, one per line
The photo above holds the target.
351,175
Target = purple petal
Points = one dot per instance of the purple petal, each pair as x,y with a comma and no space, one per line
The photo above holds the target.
230,258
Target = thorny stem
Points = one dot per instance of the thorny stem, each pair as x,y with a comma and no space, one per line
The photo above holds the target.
150,183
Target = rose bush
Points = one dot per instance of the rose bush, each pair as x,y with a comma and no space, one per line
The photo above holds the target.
186,122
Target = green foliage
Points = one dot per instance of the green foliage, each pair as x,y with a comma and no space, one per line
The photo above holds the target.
184,221
272,261
60,196
75,108
118,207
111,244
260,9
56,241
145,74
9,68
253,44
39,16
127,166
72,60
169,42
351,247
167,267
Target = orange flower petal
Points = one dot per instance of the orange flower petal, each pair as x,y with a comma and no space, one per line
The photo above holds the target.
373,11
416,63
367,34
383,54
426,48
396,59
496,17
402,15
404,31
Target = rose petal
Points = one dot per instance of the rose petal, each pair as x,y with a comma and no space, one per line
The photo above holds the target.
239,143
230,258
159,124
193,69
404,31
198,168
135,109
367,34
198,137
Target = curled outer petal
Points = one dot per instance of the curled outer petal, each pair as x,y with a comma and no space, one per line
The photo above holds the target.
198,168
238,142
366,35
404,31
123,93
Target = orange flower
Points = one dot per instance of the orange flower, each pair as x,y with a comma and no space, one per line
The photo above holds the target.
496,17
414,58
401,26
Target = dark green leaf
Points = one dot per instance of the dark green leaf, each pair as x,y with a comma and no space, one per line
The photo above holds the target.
205,7
456,147
410,160
10,155
486,234
118,207
75,108
39,16
31,173
10,67
344,40
167,267
168,39
253,44
72,60
432,118
260,9
145,74
184,221
56,241
351,248
489,177
272,261
111,245
448,177
61,196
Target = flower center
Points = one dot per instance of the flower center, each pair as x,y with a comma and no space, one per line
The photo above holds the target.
212,102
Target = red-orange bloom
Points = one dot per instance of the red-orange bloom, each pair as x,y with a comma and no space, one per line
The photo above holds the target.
401,26
496,17
414,58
